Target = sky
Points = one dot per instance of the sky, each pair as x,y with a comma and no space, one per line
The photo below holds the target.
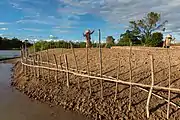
68,19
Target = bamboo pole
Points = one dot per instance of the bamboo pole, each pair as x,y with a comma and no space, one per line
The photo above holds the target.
152,84
100,60
110,79
130,78
169,81
34,70
22,59
25,61
38,62
26,71
41,59
48,64
75,64
67,74
56,76
118,70
87,65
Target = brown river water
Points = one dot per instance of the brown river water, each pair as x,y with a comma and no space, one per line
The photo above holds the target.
17,106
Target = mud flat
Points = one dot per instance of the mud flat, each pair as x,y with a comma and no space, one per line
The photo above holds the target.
58,94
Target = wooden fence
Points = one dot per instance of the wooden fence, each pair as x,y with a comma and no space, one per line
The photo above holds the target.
34,62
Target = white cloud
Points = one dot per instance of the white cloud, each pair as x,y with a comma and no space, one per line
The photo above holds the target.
121,11
3,28
31,29
3,23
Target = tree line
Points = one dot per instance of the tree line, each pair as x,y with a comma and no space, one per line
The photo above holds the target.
12,44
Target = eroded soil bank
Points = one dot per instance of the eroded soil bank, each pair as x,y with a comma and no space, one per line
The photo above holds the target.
72,98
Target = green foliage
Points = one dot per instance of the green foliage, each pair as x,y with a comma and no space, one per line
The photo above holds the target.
127,38
147,25
43,45
109,41
155,40
14,43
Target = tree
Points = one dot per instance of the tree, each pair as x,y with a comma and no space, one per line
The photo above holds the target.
129,37
156,39
147,25
109,41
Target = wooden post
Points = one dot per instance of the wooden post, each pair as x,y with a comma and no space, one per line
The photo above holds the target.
100,58
152,84
41,59
130,77
26,66
75,63
56,76
34,65
118,69
169,92
67,74
48,65
38,62
87,64
22,59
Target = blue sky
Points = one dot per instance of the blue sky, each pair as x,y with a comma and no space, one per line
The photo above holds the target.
68,19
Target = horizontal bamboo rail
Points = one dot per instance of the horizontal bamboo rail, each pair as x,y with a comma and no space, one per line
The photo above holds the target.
103,78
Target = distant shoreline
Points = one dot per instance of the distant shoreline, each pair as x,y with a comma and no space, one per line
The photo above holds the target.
6,59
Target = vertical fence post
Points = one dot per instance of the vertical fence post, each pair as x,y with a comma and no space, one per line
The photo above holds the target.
41,59
75,64
87,64
56,76
67,73
118,70
38,60
34,69
100,58
169,92
152,84
22,59
47,53
130,77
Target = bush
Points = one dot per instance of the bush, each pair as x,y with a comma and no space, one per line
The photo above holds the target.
156,39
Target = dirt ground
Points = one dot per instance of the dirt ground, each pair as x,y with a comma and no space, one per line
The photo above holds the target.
107,109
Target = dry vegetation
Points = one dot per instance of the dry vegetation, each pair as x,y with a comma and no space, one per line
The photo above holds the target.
77,99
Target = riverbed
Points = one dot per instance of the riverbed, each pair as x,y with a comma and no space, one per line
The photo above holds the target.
17,106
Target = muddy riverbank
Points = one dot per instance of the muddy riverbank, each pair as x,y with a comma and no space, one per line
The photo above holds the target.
14,105
46,89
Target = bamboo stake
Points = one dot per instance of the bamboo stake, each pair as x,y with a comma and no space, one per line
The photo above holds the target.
62,52
41,59
75,64
38,62
56,76
26,67
67,74
152,84
169,92
118,70
100,58
34,67
48,65
130,78
22,59
87,64
25,61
